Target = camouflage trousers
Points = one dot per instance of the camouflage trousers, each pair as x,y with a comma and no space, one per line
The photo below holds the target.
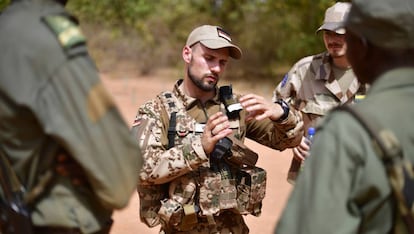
226,223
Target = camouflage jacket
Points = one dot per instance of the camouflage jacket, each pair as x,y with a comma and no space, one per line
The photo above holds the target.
163,165
311,87
193,179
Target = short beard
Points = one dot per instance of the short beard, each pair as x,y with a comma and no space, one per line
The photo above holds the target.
206,87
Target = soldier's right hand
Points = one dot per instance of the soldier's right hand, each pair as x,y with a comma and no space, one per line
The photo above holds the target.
302,150
217,127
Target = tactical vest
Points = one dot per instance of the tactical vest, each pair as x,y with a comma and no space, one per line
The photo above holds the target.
214,187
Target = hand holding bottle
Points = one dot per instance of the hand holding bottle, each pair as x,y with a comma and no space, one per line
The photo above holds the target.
302,150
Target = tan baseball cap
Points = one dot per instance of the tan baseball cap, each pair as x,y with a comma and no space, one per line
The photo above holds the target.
335,16
213,37
385,23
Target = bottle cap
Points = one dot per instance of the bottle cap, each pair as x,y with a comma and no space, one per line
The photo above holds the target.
311,131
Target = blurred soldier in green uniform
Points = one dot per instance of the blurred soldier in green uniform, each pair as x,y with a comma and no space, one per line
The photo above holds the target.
345,188
59,127
317,83
202,196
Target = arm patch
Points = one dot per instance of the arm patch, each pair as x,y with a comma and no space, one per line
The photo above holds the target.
67,31
284,80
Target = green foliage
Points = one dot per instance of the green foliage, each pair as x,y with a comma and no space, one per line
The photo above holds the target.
4,4
273,34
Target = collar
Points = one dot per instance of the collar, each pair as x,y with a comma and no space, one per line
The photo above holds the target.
323,69
188,101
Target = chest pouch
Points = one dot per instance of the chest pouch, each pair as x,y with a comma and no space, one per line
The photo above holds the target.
251,190
150,197
179,210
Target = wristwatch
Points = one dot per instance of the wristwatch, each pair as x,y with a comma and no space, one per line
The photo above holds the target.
285,108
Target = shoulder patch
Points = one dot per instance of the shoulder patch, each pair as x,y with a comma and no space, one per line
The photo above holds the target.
284,80
67,31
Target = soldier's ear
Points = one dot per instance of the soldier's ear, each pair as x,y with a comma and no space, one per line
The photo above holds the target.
187,54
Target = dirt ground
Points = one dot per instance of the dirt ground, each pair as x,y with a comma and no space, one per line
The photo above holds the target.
131,91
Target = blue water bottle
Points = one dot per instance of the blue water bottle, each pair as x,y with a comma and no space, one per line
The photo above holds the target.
311,134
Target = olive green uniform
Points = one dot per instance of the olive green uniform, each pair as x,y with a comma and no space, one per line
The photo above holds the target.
344,188
187,159
52,98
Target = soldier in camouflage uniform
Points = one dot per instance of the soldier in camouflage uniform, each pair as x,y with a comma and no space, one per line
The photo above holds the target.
201,191
59,127
347,189
317,83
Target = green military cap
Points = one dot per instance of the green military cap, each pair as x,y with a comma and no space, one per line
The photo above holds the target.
384,23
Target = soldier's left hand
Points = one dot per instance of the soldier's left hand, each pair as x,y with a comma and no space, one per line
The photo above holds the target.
301,152
260,108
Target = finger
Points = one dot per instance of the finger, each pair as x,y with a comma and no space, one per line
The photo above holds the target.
245,97
220,127
297,154
212,121
248,100
255,105
262,115
222,134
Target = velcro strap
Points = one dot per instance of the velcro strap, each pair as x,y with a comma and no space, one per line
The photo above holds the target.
171,130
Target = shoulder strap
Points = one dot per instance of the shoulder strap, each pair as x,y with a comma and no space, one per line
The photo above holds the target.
8,179
15,216
68,33
400,172
168,101
66,30
172,129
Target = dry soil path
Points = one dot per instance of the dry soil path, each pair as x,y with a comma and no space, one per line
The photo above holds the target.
130,92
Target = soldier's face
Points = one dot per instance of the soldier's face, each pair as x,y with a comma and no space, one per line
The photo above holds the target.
335,43
206,65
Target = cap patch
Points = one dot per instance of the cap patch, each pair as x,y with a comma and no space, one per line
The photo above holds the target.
223,34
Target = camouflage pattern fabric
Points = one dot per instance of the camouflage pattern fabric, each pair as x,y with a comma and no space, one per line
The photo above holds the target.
251,188
227,222
215,194
312,87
